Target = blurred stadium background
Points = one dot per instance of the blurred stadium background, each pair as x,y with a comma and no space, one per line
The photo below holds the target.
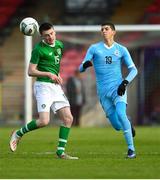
144,92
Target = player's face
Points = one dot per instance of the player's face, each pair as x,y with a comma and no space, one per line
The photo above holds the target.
49,36
107,32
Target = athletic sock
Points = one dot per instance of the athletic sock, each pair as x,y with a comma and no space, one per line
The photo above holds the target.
129,139
28,127
63,136
121,110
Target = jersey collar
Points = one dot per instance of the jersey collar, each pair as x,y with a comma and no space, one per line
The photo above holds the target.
105,45
51,45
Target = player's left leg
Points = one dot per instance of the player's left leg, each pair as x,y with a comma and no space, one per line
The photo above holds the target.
67,119
126,125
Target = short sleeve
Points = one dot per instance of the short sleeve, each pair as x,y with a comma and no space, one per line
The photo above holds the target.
35,56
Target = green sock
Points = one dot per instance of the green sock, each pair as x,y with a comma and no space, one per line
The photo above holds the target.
28,127
63,136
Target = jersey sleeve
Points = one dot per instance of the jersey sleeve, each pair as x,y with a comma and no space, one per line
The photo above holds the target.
61,45
35,56
127,58
89,54
87,60
130,65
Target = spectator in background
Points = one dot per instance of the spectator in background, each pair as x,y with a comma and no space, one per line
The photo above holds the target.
76,95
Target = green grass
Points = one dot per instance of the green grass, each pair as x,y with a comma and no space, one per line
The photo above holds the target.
101,152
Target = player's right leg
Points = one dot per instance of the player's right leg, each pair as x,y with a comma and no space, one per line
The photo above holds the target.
14,141
113,118
44,101
17,134
111,113
34,124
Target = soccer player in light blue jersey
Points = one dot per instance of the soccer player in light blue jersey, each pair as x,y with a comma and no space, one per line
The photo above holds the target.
107,58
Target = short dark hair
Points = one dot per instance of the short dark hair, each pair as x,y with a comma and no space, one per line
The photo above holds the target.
44,27
109,24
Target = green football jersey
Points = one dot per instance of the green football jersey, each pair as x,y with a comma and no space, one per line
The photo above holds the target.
47,58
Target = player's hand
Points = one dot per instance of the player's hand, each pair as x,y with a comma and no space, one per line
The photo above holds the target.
122,88
55,78
60,79
84,66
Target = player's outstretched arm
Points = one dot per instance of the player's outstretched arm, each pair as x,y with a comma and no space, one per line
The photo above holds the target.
85,65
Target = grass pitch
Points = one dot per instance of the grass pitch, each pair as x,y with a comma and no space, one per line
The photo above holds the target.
101,151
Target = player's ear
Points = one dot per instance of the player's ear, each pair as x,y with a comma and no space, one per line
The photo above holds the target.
42,37
114,32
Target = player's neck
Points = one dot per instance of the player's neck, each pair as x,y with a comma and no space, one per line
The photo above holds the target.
52,45
109,43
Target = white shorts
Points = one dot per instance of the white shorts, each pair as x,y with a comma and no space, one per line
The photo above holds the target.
49,95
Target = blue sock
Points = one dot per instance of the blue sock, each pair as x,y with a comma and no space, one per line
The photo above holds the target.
126,126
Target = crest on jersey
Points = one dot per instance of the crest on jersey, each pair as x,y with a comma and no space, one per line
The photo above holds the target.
117,53
59,51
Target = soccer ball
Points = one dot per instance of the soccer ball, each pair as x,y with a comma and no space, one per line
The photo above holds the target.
29,26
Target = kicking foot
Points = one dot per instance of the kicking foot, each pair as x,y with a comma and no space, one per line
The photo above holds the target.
66,156
14,141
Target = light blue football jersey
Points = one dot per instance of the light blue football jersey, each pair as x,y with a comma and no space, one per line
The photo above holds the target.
107,62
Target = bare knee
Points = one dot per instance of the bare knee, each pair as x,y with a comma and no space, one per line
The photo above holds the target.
68,120
43,119
42,122
66,116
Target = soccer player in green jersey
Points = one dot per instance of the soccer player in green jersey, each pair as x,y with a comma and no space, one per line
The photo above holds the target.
45,66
